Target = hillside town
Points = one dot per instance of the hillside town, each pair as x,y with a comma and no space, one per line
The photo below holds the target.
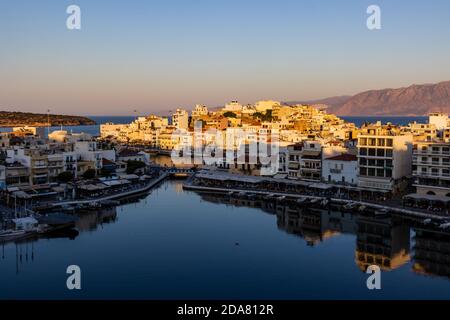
318,154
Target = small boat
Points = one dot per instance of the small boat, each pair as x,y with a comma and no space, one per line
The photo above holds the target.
315,200
381,213
11,233
349,206
302,201
242,194
230,193
362,208
281,198
445,226
427,221
324,202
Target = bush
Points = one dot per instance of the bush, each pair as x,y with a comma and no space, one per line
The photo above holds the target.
65,176
132,166
89,174
229,114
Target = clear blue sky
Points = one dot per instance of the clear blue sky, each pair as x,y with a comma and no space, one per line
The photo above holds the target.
160,55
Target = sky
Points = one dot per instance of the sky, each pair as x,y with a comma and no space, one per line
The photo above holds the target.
158,55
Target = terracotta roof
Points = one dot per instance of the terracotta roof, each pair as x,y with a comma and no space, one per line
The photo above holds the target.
344,157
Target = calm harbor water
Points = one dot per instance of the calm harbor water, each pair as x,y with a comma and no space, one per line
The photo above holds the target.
175,244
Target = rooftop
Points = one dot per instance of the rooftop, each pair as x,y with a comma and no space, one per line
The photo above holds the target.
343,157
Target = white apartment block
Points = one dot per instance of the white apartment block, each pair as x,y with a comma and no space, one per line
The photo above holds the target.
431,165
384,157
199,110
439,119
180,119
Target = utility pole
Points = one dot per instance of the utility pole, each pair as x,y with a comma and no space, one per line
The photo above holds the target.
48,122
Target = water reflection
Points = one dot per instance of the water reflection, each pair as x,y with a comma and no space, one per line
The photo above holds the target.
382,241
432,252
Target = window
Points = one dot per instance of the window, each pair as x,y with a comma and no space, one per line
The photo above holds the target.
388,173
388,153
389,142
380,173
381,142
372,152
363,161
363,151
363,171
380,152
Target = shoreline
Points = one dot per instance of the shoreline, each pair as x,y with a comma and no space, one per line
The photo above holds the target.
402,211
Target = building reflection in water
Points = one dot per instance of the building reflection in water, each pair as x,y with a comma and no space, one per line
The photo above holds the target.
379,241
432,252
383,242
91,220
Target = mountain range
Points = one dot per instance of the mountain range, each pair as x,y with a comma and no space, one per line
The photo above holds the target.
415,100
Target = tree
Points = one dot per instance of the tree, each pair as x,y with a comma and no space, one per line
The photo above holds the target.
106,172
230,114
89,174
65,176
133,165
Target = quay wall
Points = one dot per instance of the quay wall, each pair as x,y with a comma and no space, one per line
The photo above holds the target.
401,211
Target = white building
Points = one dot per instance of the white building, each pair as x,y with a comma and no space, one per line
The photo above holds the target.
199,110
431,165
233,106
341,169
264,105
180,119
384,157
439,119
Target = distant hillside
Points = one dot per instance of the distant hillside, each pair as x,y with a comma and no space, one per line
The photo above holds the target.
332,101
18,119
416,100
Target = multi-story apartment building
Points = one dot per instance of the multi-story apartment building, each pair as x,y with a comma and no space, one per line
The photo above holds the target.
431,167
439,119
199,110
180,119
384,157
305,161
311,161
17,175
423,131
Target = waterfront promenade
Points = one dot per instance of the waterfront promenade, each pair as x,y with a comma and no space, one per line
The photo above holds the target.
120,195
220,185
